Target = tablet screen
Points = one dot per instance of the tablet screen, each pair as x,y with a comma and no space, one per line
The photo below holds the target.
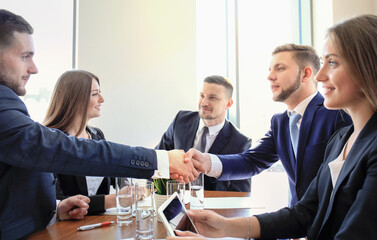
175,213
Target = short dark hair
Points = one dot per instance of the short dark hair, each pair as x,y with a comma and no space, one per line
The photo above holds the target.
10,23
304,55
220,80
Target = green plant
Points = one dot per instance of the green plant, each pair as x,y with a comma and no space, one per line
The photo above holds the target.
160,185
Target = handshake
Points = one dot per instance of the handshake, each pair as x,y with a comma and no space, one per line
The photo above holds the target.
187,166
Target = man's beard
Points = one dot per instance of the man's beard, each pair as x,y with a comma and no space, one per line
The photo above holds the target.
285,94
12,84
203,116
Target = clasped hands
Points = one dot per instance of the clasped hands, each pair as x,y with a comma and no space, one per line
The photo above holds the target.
187,166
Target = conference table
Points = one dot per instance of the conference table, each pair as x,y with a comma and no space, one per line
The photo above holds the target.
68,229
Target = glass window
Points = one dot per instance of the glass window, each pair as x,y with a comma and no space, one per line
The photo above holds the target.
52,38
235,39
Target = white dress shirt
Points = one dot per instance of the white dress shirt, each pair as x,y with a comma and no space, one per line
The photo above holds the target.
213,131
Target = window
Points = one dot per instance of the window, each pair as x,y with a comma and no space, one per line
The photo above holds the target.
235,38
53,47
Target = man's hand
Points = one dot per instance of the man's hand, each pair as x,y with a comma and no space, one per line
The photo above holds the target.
180,169
201,161
75,207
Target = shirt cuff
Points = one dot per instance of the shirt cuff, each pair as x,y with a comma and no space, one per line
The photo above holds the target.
216,166
162,165
54,218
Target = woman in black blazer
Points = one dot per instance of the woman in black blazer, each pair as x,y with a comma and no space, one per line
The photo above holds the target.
77,99
340,202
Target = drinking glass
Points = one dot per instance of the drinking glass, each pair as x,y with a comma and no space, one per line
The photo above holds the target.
144,193
175,186
197,193
124,200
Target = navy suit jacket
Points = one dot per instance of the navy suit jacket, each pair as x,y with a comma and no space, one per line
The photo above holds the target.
29,152
181,135
70,185
346,211
317,126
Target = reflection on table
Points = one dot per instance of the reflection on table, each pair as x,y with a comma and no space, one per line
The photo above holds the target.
68,229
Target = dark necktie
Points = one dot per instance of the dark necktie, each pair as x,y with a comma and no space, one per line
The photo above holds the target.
201,146
293,129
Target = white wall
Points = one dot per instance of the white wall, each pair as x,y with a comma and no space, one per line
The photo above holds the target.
326,13
144,52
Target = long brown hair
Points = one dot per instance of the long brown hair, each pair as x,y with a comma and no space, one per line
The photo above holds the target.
356,41
70,98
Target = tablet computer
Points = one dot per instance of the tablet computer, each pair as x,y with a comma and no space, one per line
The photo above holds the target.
174,216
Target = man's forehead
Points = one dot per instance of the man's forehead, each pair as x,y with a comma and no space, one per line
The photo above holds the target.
281,58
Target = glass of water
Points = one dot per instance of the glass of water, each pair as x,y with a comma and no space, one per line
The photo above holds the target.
124,192
144,193
175,186
197,193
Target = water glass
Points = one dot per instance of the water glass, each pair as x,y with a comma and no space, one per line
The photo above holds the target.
187,193
197,193
175,186
144,193
124,200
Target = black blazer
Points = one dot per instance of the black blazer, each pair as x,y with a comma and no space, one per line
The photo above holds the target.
347,211
70,185
181,135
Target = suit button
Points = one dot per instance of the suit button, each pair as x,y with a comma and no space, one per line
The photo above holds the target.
137,162
142,163
299,190
132,161
146,164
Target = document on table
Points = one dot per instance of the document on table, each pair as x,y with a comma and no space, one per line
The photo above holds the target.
231,202
111,211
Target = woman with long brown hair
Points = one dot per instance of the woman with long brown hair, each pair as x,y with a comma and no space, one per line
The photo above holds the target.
77,99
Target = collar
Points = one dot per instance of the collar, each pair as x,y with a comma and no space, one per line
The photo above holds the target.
301,107
212,130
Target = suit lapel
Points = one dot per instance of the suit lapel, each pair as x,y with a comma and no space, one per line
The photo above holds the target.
81,183
189,130
288,142
353,156
306,124
221,139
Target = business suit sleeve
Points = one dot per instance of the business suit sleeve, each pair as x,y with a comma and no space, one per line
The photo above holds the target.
28,144
241,185
250,162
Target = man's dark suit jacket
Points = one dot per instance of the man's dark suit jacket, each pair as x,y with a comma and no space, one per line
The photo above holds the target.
181,135
318,124
29,152
70,185
346,211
